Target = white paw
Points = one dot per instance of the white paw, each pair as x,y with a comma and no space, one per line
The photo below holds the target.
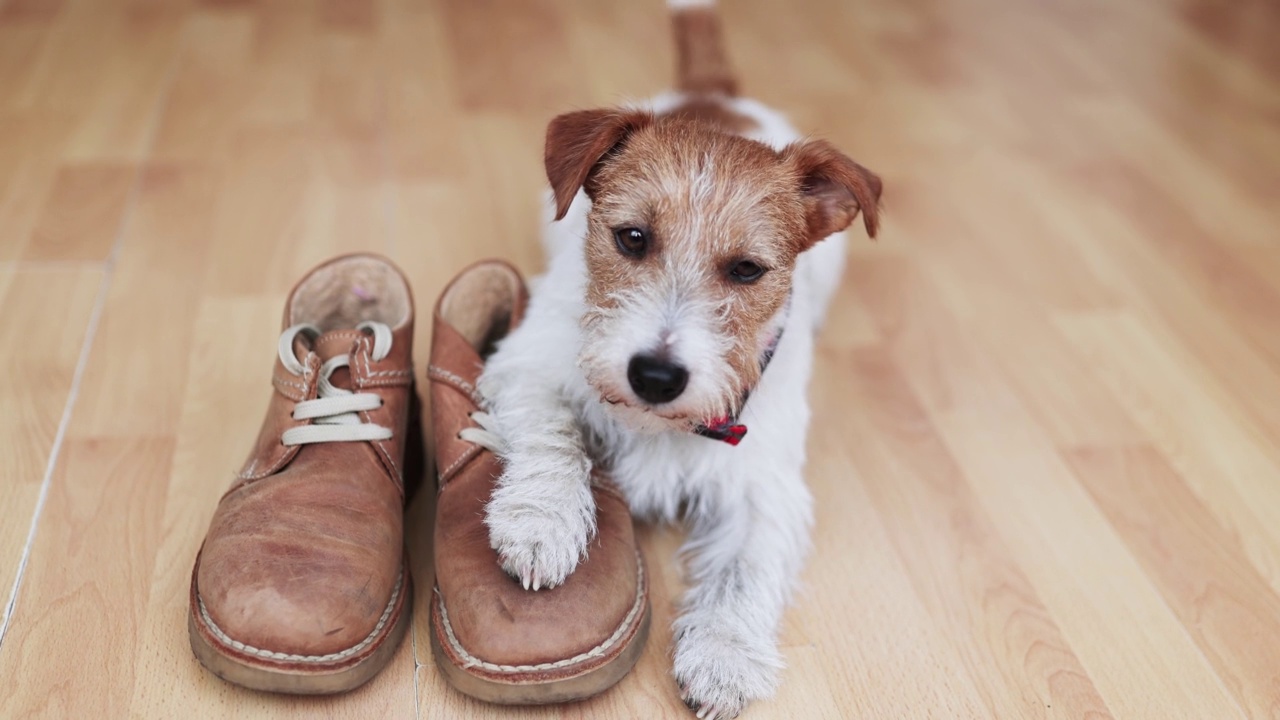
540,527
720,669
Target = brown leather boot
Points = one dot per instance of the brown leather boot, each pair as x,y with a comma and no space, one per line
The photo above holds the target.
301,585
493,639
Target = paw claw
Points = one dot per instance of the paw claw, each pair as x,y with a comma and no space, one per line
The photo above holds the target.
720,671
540,540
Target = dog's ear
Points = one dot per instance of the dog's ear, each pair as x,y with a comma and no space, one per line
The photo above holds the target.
834,189
577,141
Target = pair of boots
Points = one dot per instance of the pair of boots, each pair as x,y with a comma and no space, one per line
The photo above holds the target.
302,584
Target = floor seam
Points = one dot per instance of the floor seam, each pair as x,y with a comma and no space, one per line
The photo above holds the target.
417,690
90,334
82,362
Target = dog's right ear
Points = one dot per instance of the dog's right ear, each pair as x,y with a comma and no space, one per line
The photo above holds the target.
834,189
577,141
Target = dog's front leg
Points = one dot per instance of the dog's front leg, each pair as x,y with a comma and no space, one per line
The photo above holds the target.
542,513
744,560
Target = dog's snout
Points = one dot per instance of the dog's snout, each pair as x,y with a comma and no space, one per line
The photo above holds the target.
656,380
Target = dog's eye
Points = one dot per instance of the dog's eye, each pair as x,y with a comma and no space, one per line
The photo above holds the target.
745,271
631,241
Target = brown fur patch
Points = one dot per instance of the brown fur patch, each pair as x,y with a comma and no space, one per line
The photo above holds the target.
715,113
702,63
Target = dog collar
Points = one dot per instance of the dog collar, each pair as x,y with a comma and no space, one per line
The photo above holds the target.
726,428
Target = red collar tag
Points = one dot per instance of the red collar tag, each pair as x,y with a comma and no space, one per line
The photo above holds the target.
723,429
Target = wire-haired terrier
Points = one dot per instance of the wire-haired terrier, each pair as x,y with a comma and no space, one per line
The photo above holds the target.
696,242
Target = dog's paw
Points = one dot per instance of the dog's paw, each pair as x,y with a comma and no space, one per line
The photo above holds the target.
720,669
540,530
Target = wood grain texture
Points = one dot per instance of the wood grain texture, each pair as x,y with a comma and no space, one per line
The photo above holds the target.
44,317
1046,440
965,576
1198,566
83,212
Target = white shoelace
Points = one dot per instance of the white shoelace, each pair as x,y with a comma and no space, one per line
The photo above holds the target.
484,436
334,414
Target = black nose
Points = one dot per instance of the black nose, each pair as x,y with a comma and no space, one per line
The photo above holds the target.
656,380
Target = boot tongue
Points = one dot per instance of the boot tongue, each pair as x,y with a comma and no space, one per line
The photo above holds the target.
335,343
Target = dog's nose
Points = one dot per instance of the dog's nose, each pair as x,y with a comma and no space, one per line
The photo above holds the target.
656,380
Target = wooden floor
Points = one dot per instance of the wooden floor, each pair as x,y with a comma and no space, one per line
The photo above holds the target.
1047,442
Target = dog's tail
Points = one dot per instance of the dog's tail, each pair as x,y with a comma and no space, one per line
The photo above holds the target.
702,66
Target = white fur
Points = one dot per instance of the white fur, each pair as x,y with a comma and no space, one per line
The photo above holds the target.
748,509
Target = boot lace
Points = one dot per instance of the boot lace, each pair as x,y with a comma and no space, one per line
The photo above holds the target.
334,415
484,436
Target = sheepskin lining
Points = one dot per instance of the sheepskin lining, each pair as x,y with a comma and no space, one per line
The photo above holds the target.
348,292
480,304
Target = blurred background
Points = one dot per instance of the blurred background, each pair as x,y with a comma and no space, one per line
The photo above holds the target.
1046,442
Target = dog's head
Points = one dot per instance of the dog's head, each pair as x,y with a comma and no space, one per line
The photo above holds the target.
692,238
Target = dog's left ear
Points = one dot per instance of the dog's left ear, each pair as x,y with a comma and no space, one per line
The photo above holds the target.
577,141
834,189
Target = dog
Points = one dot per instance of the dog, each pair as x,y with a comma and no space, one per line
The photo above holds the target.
695,241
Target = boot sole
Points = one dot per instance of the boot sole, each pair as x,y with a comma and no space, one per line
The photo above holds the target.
572,679
276,672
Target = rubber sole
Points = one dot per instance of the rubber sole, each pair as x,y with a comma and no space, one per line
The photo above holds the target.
569,680
292,674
